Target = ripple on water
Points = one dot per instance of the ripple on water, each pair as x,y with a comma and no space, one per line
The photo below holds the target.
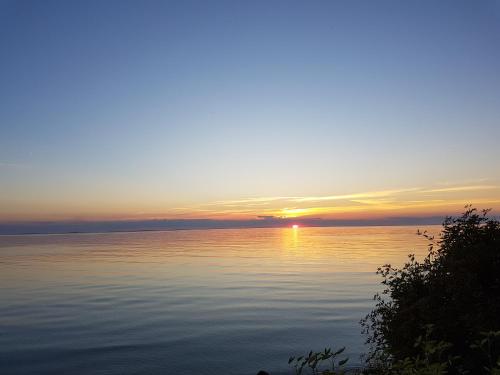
188,302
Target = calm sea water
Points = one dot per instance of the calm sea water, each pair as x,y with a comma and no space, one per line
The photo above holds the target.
188,302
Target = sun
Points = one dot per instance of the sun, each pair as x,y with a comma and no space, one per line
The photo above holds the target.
295,226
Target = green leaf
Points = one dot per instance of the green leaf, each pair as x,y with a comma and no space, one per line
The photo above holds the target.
343,362
339,351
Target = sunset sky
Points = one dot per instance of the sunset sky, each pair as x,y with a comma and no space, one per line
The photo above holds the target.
116,110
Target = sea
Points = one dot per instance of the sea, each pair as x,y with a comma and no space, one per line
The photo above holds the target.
218,301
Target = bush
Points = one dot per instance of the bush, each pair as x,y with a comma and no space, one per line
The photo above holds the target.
455,290
323,362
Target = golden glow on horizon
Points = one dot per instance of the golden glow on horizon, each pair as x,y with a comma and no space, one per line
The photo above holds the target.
295,212
416,201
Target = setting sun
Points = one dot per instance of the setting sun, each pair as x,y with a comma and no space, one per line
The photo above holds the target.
148,187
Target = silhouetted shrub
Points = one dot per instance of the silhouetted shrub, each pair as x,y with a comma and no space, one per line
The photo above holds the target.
455,290
324,362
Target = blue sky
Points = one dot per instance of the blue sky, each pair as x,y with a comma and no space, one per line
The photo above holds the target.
116,109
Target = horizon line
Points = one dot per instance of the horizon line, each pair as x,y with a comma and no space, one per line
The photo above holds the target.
115,226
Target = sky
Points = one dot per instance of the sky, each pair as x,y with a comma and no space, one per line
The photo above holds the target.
134,110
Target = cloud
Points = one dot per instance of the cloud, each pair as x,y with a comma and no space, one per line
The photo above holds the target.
247,201
461,188
414,198
372,194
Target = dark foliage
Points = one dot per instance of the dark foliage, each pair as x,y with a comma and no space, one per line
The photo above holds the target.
323,362
455,290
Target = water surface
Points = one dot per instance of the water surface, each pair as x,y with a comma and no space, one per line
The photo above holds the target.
188,302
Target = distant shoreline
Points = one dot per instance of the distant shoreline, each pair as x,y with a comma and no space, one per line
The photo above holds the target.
83,227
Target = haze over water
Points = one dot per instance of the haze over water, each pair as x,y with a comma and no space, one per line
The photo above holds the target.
186,302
